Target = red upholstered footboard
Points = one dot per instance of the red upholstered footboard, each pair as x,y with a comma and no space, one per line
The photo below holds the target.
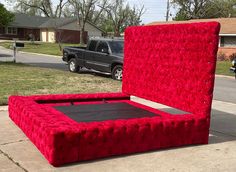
169,64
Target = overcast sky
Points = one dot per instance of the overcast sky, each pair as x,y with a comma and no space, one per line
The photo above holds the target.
155,10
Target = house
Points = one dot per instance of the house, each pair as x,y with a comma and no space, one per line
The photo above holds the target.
227,42
66,30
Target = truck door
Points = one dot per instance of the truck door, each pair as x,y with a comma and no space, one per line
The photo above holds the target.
90,54
102,58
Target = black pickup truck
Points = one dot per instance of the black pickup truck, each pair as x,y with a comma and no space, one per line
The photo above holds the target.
104,55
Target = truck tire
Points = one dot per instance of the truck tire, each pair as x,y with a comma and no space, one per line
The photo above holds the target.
117,72
73,65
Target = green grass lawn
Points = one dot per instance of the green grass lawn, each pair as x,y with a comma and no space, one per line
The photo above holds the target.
39,47
19,79
222,68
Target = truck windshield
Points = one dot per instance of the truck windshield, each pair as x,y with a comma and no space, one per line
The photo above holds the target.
117,46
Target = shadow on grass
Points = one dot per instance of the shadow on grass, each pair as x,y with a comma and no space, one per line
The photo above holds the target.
64,67
58,66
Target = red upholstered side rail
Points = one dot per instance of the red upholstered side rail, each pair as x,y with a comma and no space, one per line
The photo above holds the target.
172,64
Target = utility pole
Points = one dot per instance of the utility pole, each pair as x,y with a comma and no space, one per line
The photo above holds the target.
167,10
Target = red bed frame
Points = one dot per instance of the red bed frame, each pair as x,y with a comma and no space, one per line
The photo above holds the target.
170,64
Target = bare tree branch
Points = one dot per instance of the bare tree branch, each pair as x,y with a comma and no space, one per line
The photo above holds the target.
45,6
34,6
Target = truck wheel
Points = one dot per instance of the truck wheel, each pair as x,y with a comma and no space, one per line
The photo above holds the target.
117,72
73,66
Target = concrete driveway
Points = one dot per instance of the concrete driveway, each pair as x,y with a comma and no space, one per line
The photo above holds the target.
17,153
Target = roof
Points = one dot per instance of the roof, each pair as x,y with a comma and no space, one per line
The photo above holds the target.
26,21
96,26
23,20
56,22
228,25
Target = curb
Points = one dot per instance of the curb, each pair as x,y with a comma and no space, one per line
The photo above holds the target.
3,108
227,107
22,52
225,76
227,103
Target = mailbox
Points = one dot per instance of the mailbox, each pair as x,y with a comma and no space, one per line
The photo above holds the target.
19,44
15,46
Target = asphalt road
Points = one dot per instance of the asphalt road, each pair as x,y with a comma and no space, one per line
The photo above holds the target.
33,59
225,88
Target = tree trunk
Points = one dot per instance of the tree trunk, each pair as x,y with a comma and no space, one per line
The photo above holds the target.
82,36
117,32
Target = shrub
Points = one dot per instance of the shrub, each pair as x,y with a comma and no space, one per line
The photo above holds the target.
232,56
221,56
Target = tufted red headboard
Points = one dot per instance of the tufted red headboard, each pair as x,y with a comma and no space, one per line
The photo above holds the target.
172,64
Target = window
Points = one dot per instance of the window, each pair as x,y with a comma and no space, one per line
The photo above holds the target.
229,41
222,41
11,30
102,47
92,45
117,46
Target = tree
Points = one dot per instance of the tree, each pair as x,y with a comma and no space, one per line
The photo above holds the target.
134,17
111,15
225,8
196,9
122,15
21,7
40,7
85,11
6,16
98,13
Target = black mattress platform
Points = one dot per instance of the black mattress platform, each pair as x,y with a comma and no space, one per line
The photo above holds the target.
104,111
